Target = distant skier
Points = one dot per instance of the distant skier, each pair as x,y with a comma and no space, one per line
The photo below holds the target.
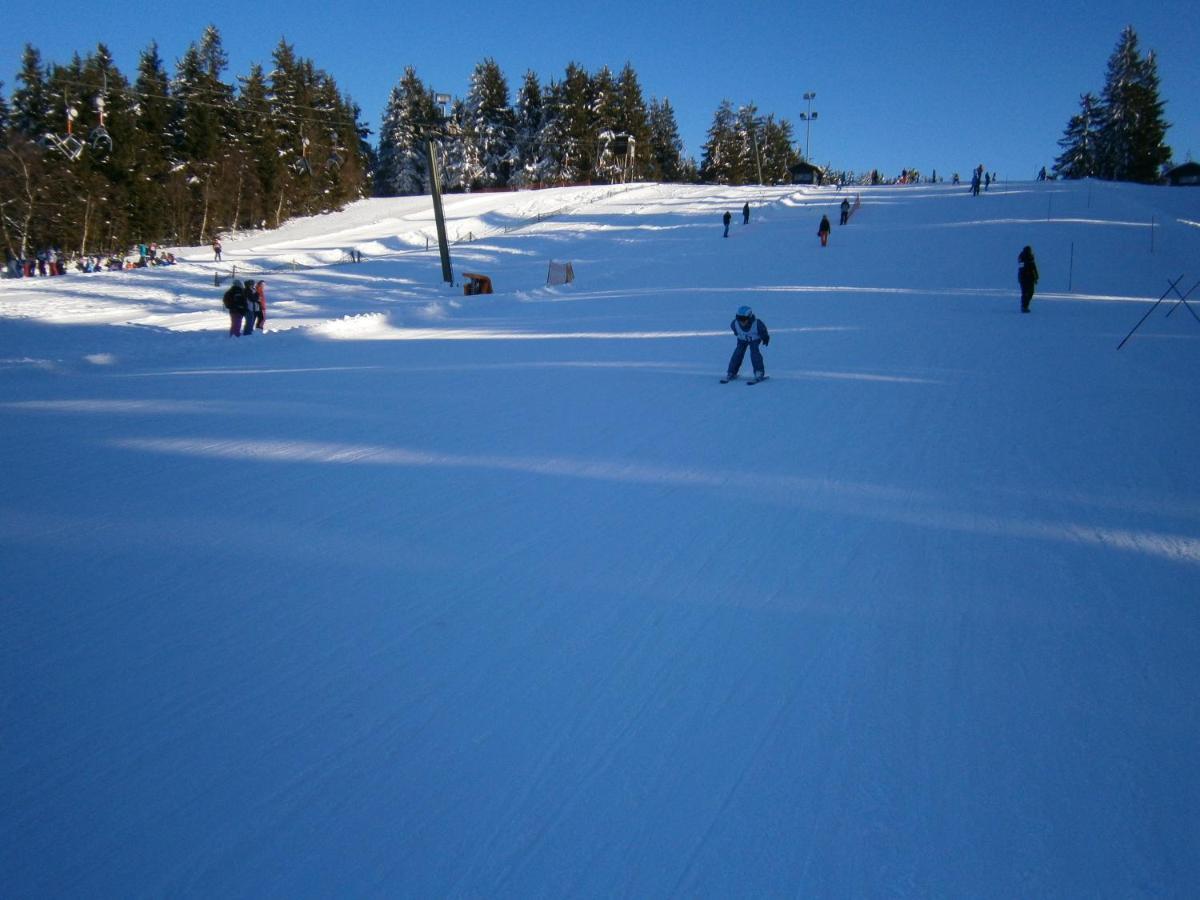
845,212
1027,276
216,249
750,332
727,219
746,214
823,230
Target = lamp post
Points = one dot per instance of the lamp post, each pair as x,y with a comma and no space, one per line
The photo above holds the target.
808,118
435,188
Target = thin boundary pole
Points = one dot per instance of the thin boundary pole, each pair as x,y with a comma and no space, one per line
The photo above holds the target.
1151,309
1183,299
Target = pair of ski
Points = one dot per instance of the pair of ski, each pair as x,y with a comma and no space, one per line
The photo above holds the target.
727,379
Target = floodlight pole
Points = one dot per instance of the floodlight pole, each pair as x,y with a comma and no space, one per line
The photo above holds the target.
808,117
435,188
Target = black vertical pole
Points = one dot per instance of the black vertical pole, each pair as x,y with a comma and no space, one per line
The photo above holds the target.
435,186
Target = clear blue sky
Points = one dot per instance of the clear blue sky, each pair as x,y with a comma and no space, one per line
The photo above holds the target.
942,86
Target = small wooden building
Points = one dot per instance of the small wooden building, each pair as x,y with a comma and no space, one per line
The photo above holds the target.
807,173
1188,173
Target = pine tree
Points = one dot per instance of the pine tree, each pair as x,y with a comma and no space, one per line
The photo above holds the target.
1132,136
157,177
777,151
108,169
4,113
1080,142
749,153
605,109
203,127
577,147
261,172
489,128
721,150
31,101
633,119
316,137
528,119
666,147
458,155
402,166
552,164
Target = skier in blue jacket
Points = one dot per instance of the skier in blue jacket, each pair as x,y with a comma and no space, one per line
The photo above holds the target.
750,331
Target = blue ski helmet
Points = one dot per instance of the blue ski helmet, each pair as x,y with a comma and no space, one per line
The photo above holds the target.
745,312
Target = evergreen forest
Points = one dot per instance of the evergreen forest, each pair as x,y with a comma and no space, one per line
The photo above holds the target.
95,161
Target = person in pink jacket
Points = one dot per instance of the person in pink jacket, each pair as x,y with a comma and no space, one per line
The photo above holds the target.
260,319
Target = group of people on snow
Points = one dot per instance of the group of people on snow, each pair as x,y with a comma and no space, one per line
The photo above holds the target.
52,261
43,264
247,305
980,177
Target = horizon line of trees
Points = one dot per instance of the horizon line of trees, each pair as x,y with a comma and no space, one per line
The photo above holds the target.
92,162
584,127
1120,134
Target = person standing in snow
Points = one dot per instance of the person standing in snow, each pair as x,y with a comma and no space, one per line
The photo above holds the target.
1027,276
845,211
750,331
251,306
235,302
823,230
216,249
746,214
260,319
727,219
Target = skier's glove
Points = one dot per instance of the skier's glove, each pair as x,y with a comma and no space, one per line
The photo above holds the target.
766,341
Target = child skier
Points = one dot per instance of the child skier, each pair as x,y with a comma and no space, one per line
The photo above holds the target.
750,332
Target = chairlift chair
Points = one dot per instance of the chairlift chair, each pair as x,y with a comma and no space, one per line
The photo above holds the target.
100,139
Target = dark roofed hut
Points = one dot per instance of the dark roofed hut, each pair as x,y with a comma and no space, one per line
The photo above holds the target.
1187,174
807,173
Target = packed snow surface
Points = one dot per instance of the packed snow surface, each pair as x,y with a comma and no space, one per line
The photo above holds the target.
419,594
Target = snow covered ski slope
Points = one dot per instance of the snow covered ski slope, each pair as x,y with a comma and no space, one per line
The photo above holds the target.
427,595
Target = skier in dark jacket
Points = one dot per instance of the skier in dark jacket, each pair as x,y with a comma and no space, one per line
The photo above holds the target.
727,218
251,298
750,331
823,230
746,214
235,302
845,212
1027,276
